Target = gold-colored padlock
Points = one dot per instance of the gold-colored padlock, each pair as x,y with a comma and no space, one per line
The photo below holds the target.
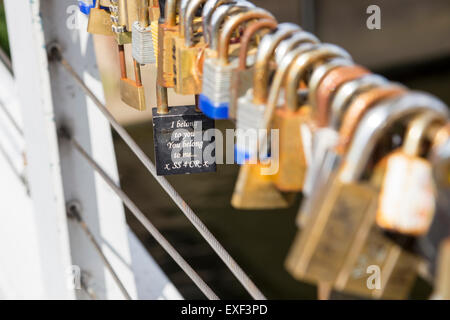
188,52
168,29
292,159
382,270
99,21
131,92
118,15
335,234
254,190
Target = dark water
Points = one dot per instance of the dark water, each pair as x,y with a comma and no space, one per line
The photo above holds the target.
258,240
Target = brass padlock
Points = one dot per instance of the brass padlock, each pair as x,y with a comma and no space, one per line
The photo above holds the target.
99,21
442,279
119,19
334,235
382,270
131,92
254,190
242,78
409,176
188,52
168,28
292,160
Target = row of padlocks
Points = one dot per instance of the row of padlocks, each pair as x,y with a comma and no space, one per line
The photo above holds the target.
367,154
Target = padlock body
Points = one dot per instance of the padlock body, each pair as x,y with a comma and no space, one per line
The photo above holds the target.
215,96
255,191
99,22
123,38
250,128
181,138
291,156
188,80
321,249
165,75
407,197
397,270
142,44
132,95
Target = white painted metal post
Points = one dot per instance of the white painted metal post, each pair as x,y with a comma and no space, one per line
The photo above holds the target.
49,98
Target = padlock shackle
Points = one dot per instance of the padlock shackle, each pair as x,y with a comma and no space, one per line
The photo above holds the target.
144,13
122,62
259,26
359,106
276,85
266,50
346,92
170,13
123,67
377,121
320,72
299,68
187,23
416,132
207,12
232,24
328,85
220,15
293,41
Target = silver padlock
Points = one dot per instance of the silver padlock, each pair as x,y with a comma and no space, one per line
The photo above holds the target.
217,71
141,37
251,106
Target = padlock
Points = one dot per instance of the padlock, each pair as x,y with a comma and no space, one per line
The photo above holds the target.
324,138
335,233
188,50
119,19
291,120
251,107
168,29
214,100
255,191
181,138
241,79
409,176
131,92
385,262
99,21
142,38
442,278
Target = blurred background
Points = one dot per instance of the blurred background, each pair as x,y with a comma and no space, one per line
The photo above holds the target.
412,47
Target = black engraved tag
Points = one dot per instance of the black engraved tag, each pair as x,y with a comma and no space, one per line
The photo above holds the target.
184,141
